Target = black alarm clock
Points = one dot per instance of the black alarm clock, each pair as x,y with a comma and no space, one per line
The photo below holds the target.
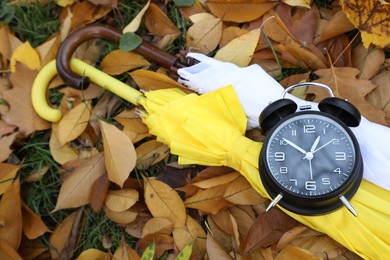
310,162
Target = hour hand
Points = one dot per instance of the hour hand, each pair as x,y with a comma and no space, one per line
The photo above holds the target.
294,146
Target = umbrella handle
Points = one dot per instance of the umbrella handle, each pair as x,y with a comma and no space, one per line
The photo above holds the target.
83,34
41,82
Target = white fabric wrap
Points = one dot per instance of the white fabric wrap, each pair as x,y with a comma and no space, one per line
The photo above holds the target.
256,89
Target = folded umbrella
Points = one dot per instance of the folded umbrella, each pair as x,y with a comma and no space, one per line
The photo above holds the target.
256,89
209,130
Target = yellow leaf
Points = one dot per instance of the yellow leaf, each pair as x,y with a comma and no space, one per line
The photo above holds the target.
125,252
240,50
149,252
371,17
239,10
119,153
117,62
64,3
158,23
163,201
74,123
7,252
150,80
7,175
77,185
192,233
294,252
123,218
60,153
25,54
195,18
93,254
157,225
185,253
121,200
240,192
204,35
135,23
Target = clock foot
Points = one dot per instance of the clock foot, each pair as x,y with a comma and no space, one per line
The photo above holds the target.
348,205
274,202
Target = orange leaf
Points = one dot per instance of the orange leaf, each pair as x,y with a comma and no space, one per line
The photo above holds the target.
123,218
61,153
371,17
241,192
119,153
7,252
33,225
7,175
118,62
77,185
11,215
125,252
98,192
93,254
294,252
191,232
21,111
158,23
204,35
337,25
163,201
133,125
157,225
239,10
74,123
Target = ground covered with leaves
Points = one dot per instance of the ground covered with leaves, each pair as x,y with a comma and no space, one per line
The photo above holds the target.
97,185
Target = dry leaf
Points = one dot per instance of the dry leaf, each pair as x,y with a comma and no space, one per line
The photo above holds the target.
133,126
61,153
33,225
93,254
337,25
11,215
61,234
214,250
150,80
98,192
301,3
241,192
5,143
74,123
150,153
161,244
204,36
368,61
121,200
371,17
158,23
125,252
239,10
230,33
216,181
21,111
26,55
119,153
240,50
9,42
296,253
77,186
135,23
157,225
7,175
7,252
122,218
344,84
380,96
163,201
118,62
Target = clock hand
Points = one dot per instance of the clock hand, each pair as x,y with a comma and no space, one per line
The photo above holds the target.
319,148
294,146
311,170
309,155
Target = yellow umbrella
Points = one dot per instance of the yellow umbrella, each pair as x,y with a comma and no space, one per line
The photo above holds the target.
209,130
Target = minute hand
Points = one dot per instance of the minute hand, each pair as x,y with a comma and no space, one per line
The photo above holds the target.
294,146
319,148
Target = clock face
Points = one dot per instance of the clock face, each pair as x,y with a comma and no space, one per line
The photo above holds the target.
310,155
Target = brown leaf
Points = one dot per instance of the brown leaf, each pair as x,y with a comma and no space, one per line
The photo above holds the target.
157,225
289,236
11,215
8,252
33,226
241,192
61,153
231,33
163,201
337,25
133,126
93,253
204,36
158,23
371,17
150,80
125,252
122,218
268,228
380,96
121,200
215,181
214,250
98,192
368,61
295,253
150,153
9,42
7,175
162,242
344,84
135,227
76,188
21,111
119,153
239,10
74,123
118,62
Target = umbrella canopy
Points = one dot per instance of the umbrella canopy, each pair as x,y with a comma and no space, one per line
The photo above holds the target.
256,89
209,130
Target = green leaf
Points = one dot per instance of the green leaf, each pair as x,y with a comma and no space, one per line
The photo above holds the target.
184,2
129,41
185,253
149,252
